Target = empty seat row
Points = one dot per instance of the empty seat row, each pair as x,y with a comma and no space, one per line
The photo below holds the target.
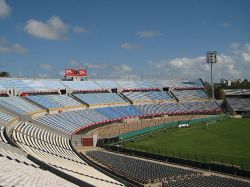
18,105
55,150
82,85
2,137
18,170
17,157
142,171
207,181
54,101
239,103
14,173
100,98
176,108
69,122
52,85
190,94
148,96
6,118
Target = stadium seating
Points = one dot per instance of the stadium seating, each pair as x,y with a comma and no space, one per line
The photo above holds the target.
149,96
71,122
19,105
137,97
55,101
179,108
6,118
159,96
53,84
17,170
56,85
208,181
137,169
187,95
111,113
82,85
105,84
239,103
130,111
31,86
100,98
55,150
58,123
2,137
92,115
190,84
160,109
120,112
68,122
236,92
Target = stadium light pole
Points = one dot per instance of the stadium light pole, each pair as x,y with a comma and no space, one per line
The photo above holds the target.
211,59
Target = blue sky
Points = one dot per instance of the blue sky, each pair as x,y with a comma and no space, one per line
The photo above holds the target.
125,39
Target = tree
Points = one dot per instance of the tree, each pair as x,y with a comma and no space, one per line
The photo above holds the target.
4,74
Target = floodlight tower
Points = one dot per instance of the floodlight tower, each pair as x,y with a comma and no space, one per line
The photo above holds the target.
211,59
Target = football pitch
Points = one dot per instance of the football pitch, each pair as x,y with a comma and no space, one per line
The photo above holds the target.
226,141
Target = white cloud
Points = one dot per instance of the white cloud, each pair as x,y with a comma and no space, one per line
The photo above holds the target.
123,68
53,29
234,65
79,29
235,46
129,46
108,71
8,48
18,48
5,9
148,34
246,53
47,67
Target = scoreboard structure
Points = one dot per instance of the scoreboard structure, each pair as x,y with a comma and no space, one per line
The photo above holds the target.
76,74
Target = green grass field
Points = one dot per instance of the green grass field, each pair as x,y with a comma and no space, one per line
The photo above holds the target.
226,141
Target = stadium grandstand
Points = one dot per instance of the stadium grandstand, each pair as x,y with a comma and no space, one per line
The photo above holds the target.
44,122
237,101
